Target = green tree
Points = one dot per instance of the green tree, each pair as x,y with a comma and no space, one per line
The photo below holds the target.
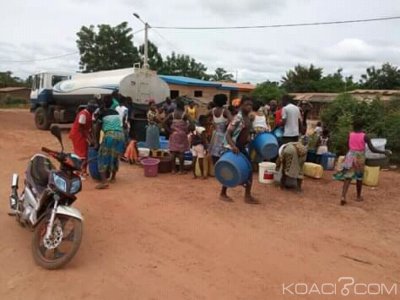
107,48
268,90
302,79
183,65
220,74
7,79
155,59
335,83
386,78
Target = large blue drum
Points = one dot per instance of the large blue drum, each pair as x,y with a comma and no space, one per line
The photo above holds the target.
93,167
266,145
233,169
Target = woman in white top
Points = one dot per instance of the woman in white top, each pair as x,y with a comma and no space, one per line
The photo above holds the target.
221,118
259,118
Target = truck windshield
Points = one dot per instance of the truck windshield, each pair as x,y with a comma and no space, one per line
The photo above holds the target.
57,78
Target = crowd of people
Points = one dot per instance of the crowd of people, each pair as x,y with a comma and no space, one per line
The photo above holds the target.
107,125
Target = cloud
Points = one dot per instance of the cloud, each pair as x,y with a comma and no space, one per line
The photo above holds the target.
234,8
357,50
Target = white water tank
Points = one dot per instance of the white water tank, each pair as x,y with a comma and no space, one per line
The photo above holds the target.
142,85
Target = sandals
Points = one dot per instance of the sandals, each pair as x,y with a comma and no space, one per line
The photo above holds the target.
102,186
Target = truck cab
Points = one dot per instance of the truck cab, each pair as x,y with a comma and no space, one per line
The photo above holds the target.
41,98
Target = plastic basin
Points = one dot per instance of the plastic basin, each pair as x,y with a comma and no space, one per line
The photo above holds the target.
266,145
233,169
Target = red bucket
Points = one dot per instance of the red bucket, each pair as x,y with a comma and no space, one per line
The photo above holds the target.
150,166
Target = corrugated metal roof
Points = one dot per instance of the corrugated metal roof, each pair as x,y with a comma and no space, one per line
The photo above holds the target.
314,97
13,89
375,92
240,86
188,81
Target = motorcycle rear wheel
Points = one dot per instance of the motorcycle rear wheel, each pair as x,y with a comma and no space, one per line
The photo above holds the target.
55,258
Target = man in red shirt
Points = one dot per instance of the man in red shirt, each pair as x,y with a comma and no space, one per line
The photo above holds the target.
80,132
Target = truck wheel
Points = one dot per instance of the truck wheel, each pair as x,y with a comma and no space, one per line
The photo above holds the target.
42,119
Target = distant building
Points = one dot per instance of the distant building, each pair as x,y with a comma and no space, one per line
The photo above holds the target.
20,93
320,100
203,90
384,95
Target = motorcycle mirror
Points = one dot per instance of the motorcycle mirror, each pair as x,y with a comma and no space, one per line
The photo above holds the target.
56,131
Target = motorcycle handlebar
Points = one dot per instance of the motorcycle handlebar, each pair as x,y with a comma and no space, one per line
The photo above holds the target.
57,155
47,150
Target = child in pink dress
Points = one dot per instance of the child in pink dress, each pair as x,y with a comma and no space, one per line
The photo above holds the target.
355,160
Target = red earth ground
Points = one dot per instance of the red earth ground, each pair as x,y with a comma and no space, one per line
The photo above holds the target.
171,238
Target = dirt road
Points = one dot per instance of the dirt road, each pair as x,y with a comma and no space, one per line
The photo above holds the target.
171,238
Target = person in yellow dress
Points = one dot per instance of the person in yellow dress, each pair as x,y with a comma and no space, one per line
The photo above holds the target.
191,111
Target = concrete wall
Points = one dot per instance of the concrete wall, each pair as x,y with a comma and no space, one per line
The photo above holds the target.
208,92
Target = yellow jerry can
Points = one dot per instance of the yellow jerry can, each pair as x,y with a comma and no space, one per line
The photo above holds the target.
313,170
205,166
371,176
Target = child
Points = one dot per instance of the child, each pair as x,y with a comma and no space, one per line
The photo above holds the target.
355,160
322,144
259,119
197,140
318,129
237,138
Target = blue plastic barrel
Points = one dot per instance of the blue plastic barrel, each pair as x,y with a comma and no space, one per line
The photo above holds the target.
92,164
328,161
266,145
188,155
278,132
233,169
164,144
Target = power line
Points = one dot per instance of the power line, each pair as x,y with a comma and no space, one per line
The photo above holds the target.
39,59
279,25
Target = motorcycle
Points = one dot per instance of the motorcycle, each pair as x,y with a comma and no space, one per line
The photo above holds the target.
44,206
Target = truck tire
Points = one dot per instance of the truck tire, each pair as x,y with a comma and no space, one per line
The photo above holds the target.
42,119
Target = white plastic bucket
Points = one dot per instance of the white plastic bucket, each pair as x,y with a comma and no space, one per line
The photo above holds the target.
144,152
266,172
378,144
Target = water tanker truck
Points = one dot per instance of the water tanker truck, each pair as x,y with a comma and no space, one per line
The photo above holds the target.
56,97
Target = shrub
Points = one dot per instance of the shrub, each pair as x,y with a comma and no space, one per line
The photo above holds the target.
380,121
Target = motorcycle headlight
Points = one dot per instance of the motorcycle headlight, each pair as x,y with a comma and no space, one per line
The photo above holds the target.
75,186
60,183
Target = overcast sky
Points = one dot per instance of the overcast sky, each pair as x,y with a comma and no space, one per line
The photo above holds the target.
32,29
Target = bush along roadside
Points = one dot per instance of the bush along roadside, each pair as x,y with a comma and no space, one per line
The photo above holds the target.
381,120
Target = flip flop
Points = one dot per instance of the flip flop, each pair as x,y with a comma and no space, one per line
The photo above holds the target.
102,186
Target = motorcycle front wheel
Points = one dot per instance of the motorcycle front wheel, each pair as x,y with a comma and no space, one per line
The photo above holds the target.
61,246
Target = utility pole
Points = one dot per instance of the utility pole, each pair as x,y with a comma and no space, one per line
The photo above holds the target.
146,41
146,45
